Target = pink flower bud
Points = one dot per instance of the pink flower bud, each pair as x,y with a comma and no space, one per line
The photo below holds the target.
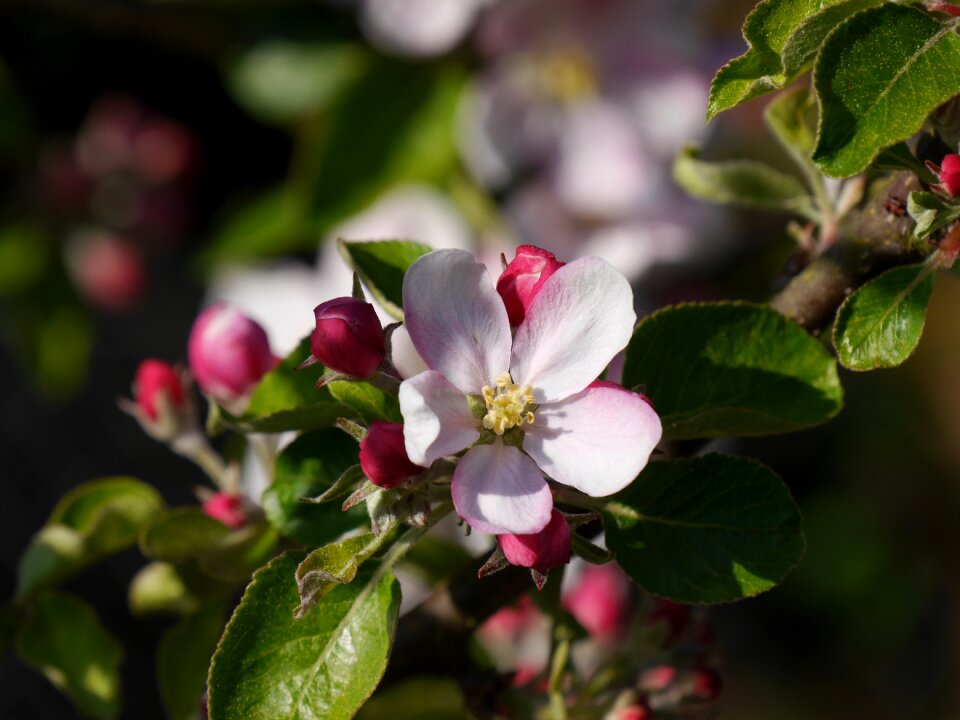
542,551
157,386
522,279
228,353
948,173
383,455
349,337
228,509
599,601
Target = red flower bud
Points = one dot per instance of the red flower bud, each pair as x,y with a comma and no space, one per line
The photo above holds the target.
522,279
228,352
157,385
107,270
657,678
228,509
542,551
349,337
948,173
383,456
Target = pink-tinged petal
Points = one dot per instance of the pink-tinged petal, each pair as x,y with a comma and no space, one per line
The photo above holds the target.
582,317
455,318
597,441
436,418
497,489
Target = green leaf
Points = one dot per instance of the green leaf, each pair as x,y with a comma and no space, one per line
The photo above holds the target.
62,638
786,116
329,566
309,466
183,658
241,552
93,520
740,182
161,587
282,80
368,402
288,399
181,534
348,482
783,36
707,529
381,265
930,212
880,325
731,369
25,256
323,667
419,698
410,139
865,104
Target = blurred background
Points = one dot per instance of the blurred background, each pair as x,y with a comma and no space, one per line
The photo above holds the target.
157,156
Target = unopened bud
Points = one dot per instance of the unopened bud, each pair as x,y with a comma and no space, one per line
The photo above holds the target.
228,353
348,337
541,551
383,456
107,270
228,509
948,173
632,712
158,389
522,279
705,684
657,678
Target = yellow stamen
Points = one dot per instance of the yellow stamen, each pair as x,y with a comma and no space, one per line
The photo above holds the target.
507,404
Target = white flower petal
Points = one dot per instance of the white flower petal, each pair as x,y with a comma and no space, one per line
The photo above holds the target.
581,318
597,441
455,318
436,418
497,489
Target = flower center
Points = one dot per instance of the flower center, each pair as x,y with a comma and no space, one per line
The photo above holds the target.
507,404
567,74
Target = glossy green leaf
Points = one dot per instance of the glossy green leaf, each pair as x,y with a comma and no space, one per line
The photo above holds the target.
323,667
309,466
740,182
62,638
707,529
240,553
369,403
731,369
783,36
381,265
930,212
91,521
282,80
180,534
329,566
419,698
288,399
877,78
880,325
183,659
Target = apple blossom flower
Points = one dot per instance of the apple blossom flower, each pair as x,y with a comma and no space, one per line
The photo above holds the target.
530,398
517,639
227,508
106,268
228,354
542,551
383,456
522,279
348,337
